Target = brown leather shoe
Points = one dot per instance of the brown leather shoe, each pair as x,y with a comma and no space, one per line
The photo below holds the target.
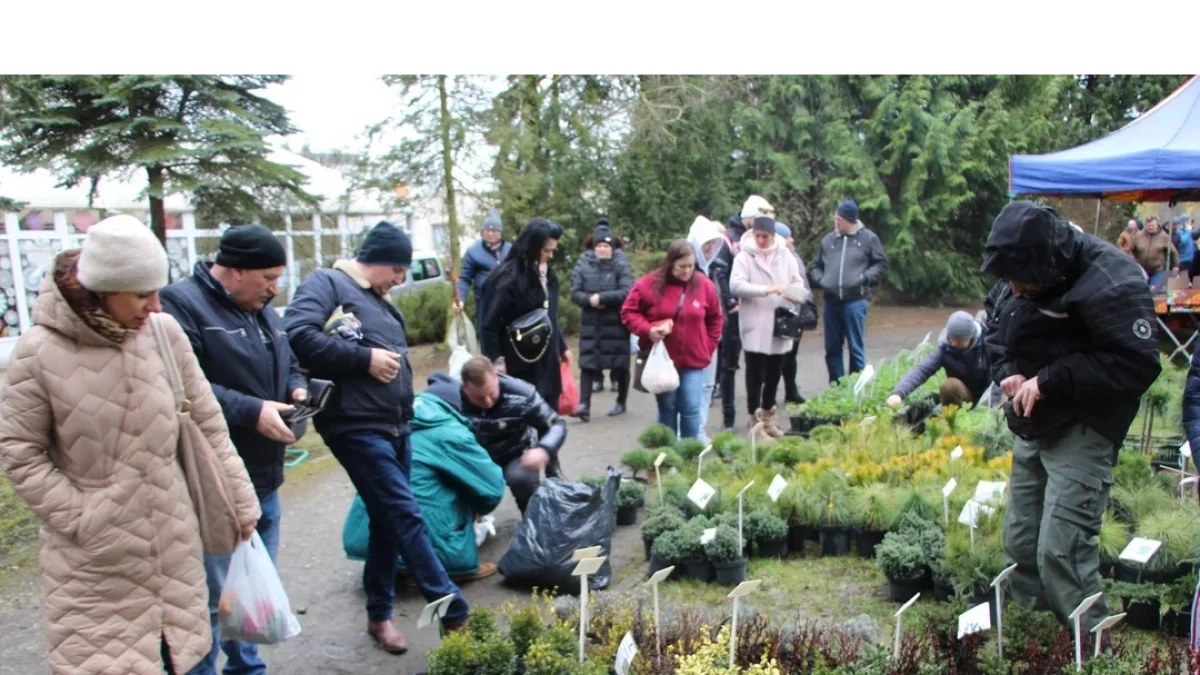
485,570
389,638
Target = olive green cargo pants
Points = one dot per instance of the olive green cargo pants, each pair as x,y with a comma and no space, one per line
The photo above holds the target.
1057,494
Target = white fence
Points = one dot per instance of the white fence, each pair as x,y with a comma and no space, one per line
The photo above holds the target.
26,254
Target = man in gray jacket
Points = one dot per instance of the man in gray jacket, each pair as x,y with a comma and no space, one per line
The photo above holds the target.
849,263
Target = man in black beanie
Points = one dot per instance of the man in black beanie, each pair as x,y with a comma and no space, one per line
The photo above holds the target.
225,309
344,327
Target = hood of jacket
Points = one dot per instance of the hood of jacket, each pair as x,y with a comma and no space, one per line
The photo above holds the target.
700,234
1032,244
446,388
750,246
431,411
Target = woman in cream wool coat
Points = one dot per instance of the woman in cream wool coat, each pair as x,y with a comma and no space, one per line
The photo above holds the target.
765,276
89,437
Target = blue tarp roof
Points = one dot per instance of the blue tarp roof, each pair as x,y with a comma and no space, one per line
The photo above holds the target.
1153,158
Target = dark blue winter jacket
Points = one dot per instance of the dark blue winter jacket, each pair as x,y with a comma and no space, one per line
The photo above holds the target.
477,263
246,358
359,402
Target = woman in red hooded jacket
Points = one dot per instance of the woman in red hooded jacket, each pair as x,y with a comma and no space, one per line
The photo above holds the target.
681,308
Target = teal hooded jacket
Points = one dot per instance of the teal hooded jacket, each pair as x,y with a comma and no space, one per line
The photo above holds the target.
453,479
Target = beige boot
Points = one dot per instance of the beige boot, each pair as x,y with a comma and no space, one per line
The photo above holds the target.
768,418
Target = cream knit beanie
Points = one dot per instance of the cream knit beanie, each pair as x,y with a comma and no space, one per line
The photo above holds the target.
121,255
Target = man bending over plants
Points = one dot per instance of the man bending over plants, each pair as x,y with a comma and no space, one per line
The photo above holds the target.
960,350
1076,348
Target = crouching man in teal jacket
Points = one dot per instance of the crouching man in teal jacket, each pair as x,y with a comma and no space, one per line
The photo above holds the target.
453,480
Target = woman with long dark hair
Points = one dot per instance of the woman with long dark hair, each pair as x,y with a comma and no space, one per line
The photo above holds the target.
599,284
520,311
675,305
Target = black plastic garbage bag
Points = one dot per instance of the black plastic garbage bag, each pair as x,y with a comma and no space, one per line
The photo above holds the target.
561,517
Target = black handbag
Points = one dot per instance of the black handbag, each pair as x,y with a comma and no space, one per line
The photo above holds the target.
808,315
531,334
787,324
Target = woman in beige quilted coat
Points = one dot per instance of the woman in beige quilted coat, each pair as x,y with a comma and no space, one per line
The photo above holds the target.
88,436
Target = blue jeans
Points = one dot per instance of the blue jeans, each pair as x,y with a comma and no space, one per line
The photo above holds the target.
1158,280
241,658
379,466
680,409
845,322
708,384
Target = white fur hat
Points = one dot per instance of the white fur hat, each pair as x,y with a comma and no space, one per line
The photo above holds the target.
121,255
756,206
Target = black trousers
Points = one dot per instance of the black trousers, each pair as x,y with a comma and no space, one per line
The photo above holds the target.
762,379
791,391
618,375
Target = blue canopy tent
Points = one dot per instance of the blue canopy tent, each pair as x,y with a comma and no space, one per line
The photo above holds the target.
1155,158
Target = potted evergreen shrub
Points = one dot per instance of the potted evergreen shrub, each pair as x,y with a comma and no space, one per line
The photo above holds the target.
691,551
666,551
768,532
832,500
1177,529
657,437
1141,602
792,509
658,522
873,510
689,449
630,497
638,460
1114,537
725,554
902,561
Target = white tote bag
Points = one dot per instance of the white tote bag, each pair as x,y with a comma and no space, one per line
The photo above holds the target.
660,375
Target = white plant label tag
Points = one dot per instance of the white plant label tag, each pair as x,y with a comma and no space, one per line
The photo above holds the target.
987,491
709,535
956,453
626,651
864,379
971,512
778,484
701,493
950,485
1141,550
976,619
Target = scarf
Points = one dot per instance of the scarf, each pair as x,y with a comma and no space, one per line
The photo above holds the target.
85,303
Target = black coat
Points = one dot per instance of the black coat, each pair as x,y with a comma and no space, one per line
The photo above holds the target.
517,421
1090,339
506,299
247,360
603,339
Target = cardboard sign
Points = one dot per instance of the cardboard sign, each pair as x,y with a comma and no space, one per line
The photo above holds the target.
626,651
976,619
701,493
1140,550
778,484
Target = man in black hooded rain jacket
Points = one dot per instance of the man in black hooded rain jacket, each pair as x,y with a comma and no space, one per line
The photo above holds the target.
1076,348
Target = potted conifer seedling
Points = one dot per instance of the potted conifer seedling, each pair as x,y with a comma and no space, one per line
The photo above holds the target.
768,532
659,522
724,552
630,497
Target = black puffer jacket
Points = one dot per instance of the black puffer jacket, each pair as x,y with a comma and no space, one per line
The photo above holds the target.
519,420
720,269
603,339
1089,337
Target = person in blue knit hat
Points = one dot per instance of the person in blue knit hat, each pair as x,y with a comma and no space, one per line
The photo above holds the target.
850,263
343,327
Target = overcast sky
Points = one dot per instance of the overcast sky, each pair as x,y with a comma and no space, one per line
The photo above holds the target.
332,109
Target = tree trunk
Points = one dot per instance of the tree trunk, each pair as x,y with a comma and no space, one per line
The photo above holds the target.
158,211
448,172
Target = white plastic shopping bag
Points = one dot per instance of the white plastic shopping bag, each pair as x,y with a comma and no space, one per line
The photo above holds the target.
462,342
485,527
458,359
660,375
253,606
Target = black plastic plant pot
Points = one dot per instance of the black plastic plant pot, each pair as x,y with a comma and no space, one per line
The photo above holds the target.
773,549
1175,624
1106,568
627,515
730,573
657,563
834,539
942,590
796,537
902,590
1124,572
865,542
982,594
1143,615
801,424
700,570
648,544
